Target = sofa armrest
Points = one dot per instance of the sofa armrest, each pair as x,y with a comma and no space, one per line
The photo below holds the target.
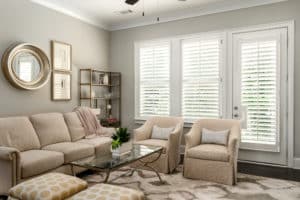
10,172
142,133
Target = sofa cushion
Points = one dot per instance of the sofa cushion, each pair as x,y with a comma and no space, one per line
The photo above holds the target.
102,145
50,128
76,128
51,186
72,151
18,132
209,152
36,162
155,142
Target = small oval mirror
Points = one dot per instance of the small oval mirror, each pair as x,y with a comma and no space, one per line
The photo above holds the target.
26,67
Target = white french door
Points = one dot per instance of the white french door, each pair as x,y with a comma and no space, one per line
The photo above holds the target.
259,82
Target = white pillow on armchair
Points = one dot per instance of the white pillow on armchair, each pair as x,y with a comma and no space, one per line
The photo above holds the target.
161,133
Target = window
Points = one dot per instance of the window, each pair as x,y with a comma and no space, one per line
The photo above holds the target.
25,71
154,79
201,94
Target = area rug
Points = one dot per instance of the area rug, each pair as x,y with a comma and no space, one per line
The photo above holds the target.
176,187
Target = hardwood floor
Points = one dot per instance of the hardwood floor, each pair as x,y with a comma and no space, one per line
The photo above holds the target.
269,171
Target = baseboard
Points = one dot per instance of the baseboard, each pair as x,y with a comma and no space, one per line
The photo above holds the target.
296,163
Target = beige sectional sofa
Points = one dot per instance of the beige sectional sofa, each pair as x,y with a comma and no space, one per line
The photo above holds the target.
30,146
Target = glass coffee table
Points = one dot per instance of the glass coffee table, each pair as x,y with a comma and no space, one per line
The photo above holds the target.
107,164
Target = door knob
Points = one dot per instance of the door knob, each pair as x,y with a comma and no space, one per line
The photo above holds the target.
236,108
236,115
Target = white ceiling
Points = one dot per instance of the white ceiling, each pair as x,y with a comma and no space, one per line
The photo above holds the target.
105,13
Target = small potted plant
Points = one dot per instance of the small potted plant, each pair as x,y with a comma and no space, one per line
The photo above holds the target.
120,142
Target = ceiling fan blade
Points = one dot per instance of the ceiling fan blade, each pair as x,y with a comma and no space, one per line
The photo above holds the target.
131,2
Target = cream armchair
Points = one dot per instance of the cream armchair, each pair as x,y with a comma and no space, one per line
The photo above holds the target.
169,159
212,162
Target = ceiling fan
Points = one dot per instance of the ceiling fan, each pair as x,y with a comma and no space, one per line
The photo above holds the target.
131,2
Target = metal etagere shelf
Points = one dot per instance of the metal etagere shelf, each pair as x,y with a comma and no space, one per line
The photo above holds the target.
102,89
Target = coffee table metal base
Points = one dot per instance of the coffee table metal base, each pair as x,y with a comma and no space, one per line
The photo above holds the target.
143,164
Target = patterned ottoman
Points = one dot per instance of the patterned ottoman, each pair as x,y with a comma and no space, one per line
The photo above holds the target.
57,186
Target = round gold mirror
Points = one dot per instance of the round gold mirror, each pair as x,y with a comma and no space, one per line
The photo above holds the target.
26,66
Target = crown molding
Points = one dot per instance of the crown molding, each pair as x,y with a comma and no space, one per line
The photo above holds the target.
82,17
167,17
196,12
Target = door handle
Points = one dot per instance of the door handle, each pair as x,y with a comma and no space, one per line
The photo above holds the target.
236,115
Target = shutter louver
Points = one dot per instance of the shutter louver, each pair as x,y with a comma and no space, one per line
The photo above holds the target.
259,91
154,80
201,79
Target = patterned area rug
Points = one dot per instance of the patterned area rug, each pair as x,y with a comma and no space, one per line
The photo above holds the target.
176,187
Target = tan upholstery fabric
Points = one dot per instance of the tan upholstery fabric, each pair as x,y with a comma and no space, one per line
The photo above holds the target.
155,142
108,192
214,171
215,165
172,144
102,145
76,128
50,128
52,186
72,151
9,168
12,128
35,162
209,152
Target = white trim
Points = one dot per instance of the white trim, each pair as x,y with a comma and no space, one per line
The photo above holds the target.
296,163
290,109
166,17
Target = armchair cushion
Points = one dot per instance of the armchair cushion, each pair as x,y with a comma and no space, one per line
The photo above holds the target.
161,133
36,162
154,142
214,137
209,152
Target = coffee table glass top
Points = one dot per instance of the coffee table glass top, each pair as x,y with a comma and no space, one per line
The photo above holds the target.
109,162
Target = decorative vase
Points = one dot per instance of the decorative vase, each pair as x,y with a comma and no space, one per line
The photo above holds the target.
124,149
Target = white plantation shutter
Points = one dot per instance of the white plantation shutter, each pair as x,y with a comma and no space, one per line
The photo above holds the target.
154,80
201,78
259,91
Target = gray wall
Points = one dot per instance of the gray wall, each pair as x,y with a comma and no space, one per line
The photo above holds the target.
122,45
22,21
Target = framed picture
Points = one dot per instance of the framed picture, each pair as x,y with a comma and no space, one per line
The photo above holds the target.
61,56
61,86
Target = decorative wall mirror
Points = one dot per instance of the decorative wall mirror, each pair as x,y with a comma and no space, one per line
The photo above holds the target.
26,66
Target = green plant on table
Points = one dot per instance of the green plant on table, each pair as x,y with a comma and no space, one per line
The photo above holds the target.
121,136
